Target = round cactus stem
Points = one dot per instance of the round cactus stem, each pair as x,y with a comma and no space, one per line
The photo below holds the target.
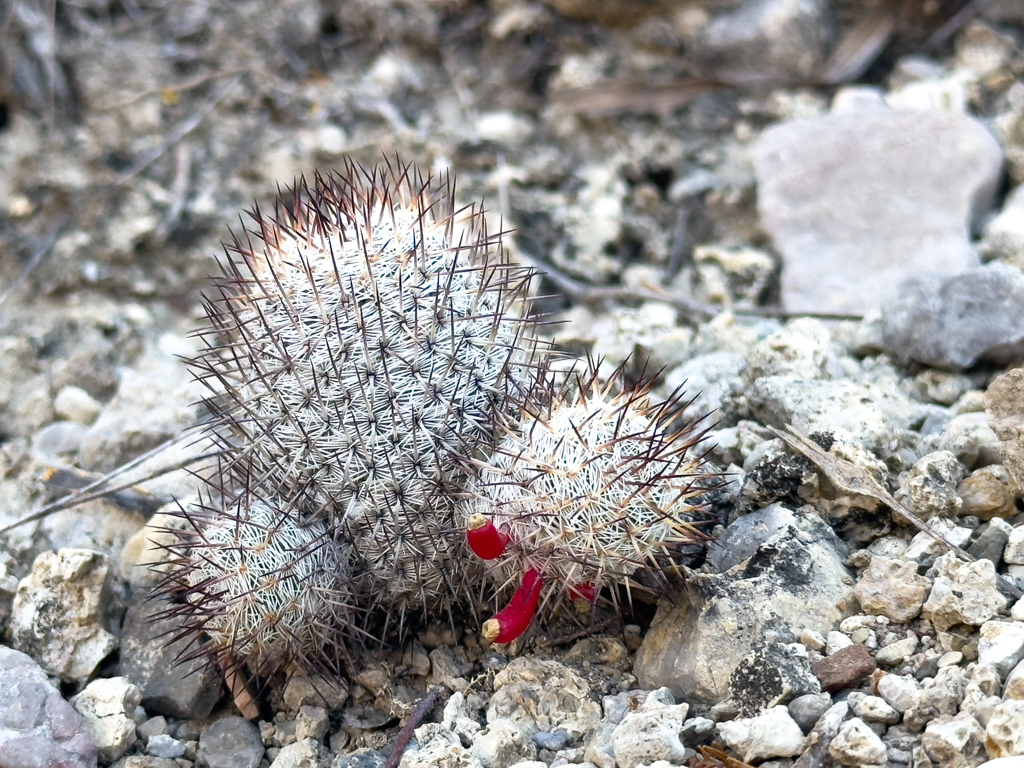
486,541
583,597
515,618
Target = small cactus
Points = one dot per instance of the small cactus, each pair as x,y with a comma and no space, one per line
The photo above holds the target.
366,340
584,495
268,591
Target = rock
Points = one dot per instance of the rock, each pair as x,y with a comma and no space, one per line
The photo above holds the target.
991,541
872,709
108,707
899,691
169,686
986,494
1014,551
800,349
57,442
962,593
458,719
599,749
967,436
845,247
697,730
929,489
897,652
311,723
650,334
857,745
1004,734
953,322
164,745
892,588
155,726
712,378
772,673
650,734
924,550
794,580
835,642
773,733
1014,688
501,744
1004,235
442,749
723,275
844,669
949,740
1001,645
37,727
301,754
361,758
231,742
551,741
318,691
59,612
145,761
776,40
76,405
873,415
1004,403
543,695
940,695
807,709
821,736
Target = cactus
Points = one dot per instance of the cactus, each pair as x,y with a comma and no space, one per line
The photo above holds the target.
597,487
268,591
365,343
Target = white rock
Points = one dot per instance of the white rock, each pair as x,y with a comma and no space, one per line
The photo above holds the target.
1004,734
1014,688
543,695
107,705
57,616
773,733
801,349
77,405
892,588
963,593
164,745
502,743
873,709
1001,645
836,641
898,652
949,739
899,691
1017,613
1004,762
857,745
301,754
650,734
1014,552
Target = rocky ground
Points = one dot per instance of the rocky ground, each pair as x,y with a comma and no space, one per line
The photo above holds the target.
687,168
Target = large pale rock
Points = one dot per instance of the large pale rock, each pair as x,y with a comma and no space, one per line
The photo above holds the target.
949,740
857,745
892,588
771,734
37,727
543,695
953,321
962,593
108,707
58,613
650,734
1001,645
856,202
1004,734
793,580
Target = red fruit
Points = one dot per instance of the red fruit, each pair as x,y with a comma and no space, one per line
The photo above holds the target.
484,538
514,618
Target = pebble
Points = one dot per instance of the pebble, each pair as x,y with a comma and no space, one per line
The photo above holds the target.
566,694
107,706
986,494
1004,234
836,641
929,488
551,740
650,734
76,405
857,745
806,709
59,612
697,730
844,669
713,377
1001,645
502,743
845,247
892,588
773,733
163,745
962,593
872,709
360,758
301,754
35,722
231,742
991,541
169,686
821,736
1014,688
311,723
953,322
155,726
800,348
898,652
1014,551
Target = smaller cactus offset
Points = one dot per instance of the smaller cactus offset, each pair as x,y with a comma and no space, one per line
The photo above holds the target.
595,489
267,591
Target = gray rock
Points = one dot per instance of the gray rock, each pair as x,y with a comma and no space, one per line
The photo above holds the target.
953,322
566,694
795,580
37,727
501,744
1001,645
163,745
875,415
232,742
551,740
169,686
59,613
821,736
991,541
807,709
1004,235
846,247
361,758
699,730
58,439
929,488
771,674
742,538
766,39
967,436
951,741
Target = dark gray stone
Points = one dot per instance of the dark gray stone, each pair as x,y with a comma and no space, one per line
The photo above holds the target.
953,322
697,730
807,709
232,742
771,674
821,736
743,537
553,740
361,758
38,728
991,542
169,686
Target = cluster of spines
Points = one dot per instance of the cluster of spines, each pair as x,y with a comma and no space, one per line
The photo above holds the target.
596,488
